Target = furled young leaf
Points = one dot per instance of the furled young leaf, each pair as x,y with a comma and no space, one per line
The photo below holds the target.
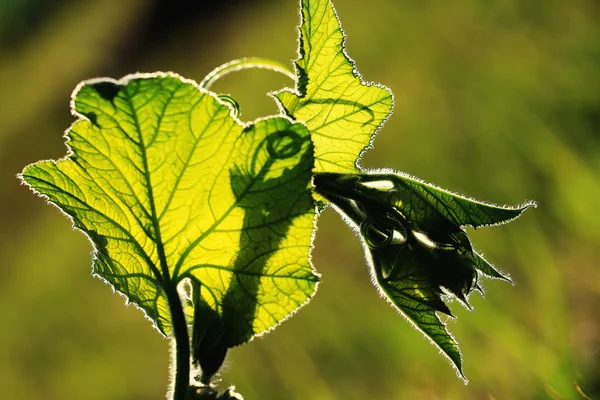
460,210
170,188
413,234
342,112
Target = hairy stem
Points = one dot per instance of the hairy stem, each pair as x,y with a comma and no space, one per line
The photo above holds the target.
182,343
245,63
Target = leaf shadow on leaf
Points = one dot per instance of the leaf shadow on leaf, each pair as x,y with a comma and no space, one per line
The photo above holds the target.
269,214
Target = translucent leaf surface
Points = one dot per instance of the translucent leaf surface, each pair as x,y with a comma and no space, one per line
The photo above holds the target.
170,188
419,253
342,111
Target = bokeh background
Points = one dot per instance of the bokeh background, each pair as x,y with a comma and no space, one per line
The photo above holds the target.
497,100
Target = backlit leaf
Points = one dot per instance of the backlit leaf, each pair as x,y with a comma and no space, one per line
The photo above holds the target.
342,111
171,189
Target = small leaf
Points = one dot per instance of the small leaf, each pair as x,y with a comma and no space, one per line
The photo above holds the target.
482,265
461,210
342,111
419,253
172,190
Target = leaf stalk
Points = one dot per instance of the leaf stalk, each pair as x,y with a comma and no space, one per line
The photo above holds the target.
181,380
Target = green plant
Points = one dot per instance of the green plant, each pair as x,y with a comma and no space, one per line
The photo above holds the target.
206,222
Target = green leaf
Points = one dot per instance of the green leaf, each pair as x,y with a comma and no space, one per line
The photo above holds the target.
460,210
415,243
485,268
440,204
172,190
342,111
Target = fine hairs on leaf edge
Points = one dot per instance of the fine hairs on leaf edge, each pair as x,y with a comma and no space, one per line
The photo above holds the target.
297,90
522,206
368,258
484,277
203,87
302,305
356,230
122,82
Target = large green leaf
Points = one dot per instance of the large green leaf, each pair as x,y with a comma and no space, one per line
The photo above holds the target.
172,190
417,248
342,111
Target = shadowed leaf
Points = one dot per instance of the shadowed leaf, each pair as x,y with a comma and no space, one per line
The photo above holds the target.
461,210
419,253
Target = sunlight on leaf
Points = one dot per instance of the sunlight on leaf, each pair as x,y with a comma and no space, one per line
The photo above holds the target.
342,111
171,189
183,201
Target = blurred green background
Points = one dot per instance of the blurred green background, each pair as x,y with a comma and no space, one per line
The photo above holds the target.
497,100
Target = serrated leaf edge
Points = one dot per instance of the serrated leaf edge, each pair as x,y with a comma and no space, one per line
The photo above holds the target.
297,90
179,285
522,207
356,230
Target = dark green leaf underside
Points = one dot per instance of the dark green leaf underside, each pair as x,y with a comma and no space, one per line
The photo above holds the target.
415,242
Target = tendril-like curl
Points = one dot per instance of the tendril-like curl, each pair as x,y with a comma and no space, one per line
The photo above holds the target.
245,63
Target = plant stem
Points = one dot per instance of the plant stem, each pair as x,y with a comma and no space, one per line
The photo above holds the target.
182,343
245,63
